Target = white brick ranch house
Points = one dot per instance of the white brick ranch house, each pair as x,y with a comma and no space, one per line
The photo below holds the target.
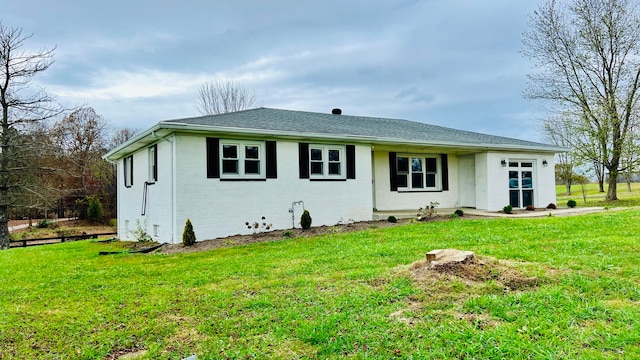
221,171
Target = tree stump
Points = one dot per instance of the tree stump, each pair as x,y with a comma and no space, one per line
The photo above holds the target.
440,257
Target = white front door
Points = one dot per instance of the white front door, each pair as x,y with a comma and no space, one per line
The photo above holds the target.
467,171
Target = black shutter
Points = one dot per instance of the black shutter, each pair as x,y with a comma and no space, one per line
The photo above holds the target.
393,172
125,172
155,162
271,159
303,160
445,171
213,158
351,161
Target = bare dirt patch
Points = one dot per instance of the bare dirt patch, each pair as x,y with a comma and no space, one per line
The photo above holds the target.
456,282
276,235
473,271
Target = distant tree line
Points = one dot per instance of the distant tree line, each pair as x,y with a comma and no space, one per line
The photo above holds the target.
65,169
50,157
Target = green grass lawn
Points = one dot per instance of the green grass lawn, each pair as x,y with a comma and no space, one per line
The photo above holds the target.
596,198
333,296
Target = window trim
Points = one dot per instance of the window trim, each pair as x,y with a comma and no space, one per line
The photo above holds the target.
127,166
342,154
241,159
437,174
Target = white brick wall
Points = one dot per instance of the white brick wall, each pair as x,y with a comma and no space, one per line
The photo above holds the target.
220,208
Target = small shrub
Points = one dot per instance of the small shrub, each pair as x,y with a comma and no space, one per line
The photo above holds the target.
551,206
188,235
258,226
392,219
140,233
459,212
508,209
287,234
530,208
454,216
305,220
43,224
95,212
112,222
571,203
47,224
428,212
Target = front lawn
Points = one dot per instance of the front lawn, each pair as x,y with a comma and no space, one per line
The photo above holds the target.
334,296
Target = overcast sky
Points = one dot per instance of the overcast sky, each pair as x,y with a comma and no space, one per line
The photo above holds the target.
455,63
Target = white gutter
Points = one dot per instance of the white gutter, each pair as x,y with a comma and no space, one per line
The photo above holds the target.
297,135
360,138
172,183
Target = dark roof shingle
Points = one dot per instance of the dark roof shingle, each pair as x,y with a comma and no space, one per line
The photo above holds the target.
310,123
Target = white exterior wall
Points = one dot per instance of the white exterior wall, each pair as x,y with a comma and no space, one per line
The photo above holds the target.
492,179
491,183
483,185
220,208
385,199
159,200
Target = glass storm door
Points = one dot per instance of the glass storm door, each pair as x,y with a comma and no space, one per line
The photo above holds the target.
520,183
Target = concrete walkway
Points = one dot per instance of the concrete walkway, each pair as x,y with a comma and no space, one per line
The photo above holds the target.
407,214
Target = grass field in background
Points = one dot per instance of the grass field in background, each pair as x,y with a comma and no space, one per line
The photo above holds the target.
335,296
594,197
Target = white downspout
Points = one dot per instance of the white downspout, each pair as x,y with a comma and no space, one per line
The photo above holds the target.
172,184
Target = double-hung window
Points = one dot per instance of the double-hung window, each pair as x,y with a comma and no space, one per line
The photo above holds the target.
326,161
241,159
229,159
128,171
417,172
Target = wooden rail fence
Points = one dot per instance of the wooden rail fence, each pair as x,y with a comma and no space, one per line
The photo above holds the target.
55,240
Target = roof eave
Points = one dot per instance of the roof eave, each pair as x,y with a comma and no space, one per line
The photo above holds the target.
357,138
127,147
122,150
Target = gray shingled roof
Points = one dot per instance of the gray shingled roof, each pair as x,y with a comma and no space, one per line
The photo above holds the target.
314,124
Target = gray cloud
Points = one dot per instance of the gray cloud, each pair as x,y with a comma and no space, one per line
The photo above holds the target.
453,63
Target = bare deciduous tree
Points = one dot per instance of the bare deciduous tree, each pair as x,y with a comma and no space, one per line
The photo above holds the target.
588,56
121,136
558,130
81,139
21,105
219,97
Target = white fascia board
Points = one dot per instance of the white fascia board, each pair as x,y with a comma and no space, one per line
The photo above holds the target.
356,138
121,151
